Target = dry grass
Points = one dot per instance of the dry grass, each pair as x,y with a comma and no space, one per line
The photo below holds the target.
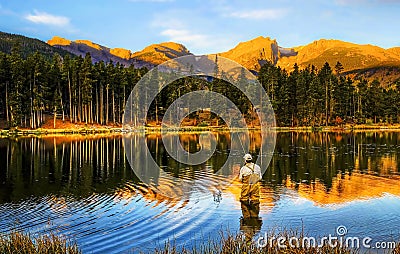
228,244
237,244
397,249
17,242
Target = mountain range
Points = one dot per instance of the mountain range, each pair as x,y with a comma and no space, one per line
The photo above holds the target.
28,45
148,57
368,61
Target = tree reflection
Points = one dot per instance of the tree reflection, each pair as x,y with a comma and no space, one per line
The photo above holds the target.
324,167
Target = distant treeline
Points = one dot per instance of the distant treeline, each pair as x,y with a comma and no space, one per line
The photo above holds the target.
28,45
77,90
312,97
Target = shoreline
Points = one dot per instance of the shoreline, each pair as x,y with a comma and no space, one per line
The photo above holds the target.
191,129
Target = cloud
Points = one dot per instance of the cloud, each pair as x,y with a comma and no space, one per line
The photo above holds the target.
182,35
389,1
259,14
346,2
167,22
192,30
47,19
349,2
198,42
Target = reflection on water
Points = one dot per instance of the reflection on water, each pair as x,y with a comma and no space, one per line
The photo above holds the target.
250,222
83,187
61,165
335,168
347,187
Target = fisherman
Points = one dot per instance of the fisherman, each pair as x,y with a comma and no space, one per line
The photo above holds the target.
250,175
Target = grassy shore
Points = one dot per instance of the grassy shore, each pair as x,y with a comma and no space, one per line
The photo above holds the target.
17,242
345,128
44,131
240,243
229,243
95,129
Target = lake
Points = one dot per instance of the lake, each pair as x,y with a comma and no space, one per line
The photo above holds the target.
83,187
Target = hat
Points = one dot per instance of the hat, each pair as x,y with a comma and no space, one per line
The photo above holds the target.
247,157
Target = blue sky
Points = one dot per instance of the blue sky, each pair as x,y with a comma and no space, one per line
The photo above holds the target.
204,26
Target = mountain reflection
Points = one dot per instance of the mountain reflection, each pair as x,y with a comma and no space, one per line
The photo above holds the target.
327,168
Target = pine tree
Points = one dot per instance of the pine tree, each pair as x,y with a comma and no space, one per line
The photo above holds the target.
5,75
55,84
242,100
315,103
303,92
86,88
99,87
361,91
339,68
67,78
292,86
328,81
32,88
16,87
374,105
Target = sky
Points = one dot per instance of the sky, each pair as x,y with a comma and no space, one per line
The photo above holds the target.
204,26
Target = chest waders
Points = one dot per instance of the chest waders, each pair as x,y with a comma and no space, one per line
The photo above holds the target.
250,188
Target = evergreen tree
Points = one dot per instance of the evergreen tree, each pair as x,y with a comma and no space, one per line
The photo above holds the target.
18,78
5,75
292,86
34,87
361,88
316,101
303,92
339,68
374,106
86,88
56,86
327,80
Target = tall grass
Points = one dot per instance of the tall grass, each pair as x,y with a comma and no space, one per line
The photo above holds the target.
240,243
397,249
17,242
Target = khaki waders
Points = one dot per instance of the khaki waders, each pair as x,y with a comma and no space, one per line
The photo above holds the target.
250,192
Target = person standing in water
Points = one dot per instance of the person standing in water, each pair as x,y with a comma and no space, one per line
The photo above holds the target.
250,175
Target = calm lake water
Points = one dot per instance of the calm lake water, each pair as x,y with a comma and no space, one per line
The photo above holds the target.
83,187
